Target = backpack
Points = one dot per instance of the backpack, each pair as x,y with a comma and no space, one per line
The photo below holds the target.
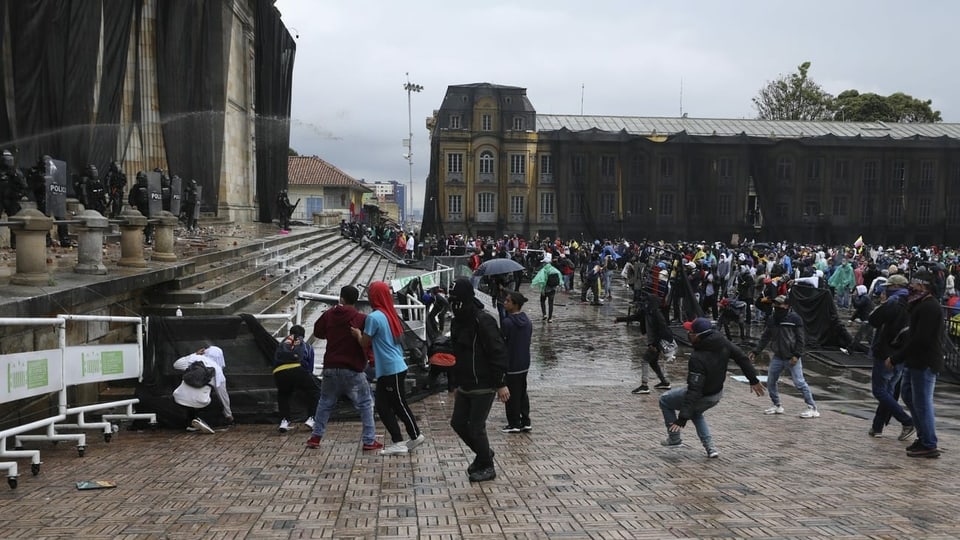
198,374
553,280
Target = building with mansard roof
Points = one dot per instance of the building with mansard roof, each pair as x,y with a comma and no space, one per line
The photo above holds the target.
498,167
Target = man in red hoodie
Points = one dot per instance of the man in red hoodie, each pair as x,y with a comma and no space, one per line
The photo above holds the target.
343,368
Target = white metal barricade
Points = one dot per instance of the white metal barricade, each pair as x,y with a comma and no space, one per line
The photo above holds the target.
30,374
84,364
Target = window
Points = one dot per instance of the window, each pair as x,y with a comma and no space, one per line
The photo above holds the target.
898,175
454,121
636,205
576,204
895,212
518,163
546,164
923,211
638,167
516,204
485,203
608,166
576,165
784,169
867,206
455,204
725,206
841,173
870,178
666,167
927,175
547,204
518,123
783,210
454,163
607,204
953,213
486,122
814,170
811,209
840,206
725,168
486,162
666,204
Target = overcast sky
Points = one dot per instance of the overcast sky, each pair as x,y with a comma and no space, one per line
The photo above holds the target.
350,107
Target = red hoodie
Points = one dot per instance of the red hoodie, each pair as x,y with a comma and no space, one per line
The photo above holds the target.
343,350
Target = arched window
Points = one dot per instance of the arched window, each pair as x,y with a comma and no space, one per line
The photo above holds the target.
486,162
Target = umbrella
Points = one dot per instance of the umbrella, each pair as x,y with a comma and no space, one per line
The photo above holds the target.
498,266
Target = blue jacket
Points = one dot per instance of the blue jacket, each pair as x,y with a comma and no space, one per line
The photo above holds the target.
517,331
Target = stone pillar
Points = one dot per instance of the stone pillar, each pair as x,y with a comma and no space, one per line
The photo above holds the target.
90,243
31,248
131,238
163,238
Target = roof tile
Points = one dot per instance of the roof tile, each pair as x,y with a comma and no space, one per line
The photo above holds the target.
313,171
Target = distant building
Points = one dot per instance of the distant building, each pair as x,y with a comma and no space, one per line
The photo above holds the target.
322,187
497,167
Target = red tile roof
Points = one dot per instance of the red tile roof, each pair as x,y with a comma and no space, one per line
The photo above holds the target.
313,171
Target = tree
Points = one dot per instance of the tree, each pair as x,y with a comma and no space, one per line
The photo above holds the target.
793,97
852,106
292,152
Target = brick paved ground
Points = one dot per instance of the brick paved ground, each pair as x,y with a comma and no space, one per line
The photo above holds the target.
592,468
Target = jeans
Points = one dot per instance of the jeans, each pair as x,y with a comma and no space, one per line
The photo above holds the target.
883,383
345,382
670,403
606,282
917,390
469,421
777,365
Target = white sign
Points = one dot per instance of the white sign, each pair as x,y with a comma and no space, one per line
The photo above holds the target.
96,363
31,374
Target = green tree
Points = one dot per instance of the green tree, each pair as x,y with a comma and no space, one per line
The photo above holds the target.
852,106
292,152
793,97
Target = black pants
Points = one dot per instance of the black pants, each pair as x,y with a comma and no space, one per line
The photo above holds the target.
652,357
469,421
546,302
518,406
391,402
289,381
436,371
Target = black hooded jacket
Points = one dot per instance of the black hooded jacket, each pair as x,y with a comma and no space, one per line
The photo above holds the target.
707,369
479,348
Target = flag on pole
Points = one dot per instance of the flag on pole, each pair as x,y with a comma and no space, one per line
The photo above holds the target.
859,242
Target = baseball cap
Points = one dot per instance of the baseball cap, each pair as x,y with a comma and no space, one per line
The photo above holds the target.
698,326
897,280
781,299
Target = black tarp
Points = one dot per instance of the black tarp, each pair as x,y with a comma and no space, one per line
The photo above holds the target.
192,50
819,313
275,52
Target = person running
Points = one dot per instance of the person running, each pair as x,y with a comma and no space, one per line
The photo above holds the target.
784,333
660,340
383,331
707,371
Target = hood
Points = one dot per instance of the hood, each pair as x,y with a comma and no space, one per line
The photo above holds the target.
341,314
519,318
713,341
382,300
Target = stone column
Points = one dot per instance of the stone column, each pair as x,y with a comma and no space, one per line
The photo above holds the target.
131,238
163,238
31,248
90,243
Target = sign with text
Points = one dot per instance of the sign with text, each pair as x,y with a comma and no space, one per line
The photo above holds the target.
97,363
31,374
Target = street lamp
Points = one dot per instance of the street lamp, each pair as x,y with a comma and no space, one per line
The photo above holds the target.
410,88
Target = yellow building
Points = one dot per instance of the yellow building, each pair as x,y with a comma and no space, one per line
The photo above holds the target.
497,167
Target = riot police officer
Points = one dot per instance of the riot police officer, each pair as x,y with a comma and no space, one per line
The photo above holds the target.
116,181
96,193
165,188
284,209
37,181
140,199
188,211
13,185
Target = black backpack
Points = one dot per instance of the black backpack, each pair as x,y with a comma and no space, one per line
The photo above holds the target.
553,280
198,375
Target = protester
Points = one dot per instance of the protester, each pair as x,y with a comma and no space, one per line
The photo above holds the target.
383,331
344,366
707,371
660,340
890,321
293,372
480,369
194,398
547,280
517,331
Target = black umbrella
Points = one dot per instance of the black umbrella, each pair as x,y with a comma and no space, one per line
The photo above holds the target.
498,266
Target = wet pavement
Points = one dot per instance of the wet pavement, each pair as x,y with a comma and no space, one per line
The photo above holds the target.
592,467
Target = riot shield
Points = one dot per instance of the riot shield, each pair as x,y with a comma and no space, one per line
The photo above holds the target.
57,190
176,192
154,194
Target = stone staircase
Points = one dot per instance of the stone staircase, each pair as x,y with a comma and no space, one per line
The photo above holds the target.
265,276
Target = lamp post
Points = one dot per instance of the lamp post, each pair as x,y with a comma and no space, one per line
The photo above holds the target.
410,88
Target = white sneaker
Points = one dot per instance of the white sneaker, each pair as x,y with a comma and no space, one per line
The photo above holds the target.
413,443
201,426
309,422
811,412
284,426
395,448
776,409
